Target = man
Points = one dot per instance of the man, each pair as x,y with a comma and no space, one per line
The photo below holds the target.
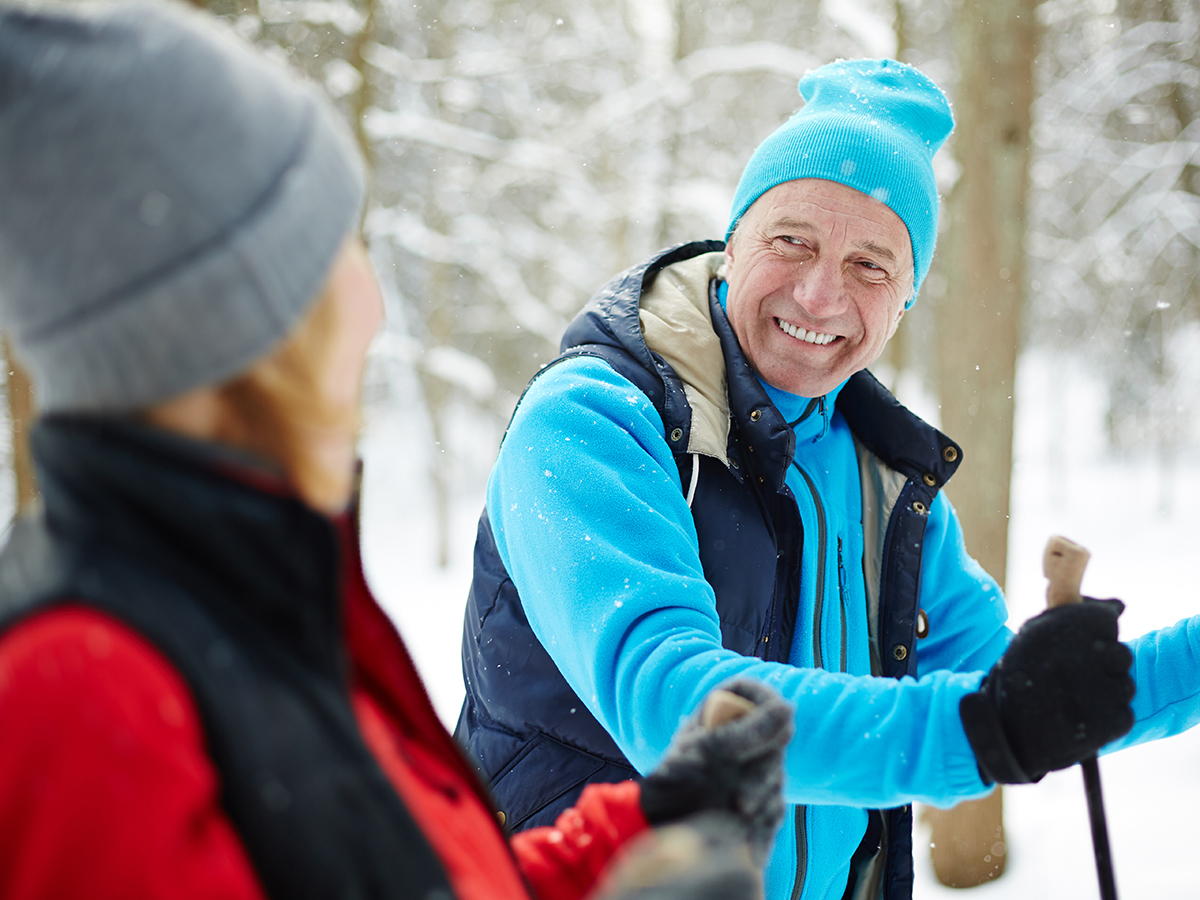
708,482
198,695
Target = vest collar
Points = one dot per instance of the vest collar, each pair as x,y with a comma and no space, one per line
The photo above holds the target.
677,326
232,532
682,324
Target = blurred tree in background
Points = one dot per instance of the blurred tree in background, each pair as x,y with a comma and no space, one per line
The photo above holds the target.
977,328
1115,225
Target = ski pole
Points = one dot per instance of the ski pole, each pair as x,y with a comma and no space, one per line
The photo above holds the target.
1063,564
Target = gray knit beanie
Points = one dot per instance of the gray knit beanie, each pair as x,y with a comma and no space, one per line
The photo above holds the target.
170,203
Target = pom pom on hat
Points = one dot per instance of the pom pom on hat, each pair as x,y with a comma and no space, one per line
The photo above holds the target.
870,124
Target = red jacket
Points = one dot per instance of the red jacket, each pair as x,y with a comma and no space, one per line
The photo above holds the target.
106,789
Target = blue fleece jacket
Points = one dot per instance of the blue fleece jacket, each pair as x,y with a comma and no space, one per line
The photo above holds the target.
591,523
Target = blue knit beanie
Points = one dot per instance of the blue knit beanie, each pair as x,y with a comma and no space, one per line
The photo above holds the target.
870,124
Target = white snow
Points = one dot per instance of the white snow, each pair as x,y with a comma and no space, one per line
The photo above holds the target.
1143,551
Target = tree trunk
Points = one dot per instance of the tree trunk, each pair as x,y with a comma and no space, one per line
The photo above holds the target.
979,328
979,320
966,843
20,408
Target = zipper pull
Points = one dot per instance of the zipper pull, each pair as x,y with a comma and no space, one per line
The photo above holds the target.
842,596
841,571
821,411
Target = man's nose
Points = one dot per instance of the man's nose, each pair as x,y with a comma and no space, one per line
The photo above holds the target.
820,289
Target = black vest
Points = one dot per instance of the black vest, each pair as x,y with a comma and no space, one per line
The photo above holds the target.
535,743
240,590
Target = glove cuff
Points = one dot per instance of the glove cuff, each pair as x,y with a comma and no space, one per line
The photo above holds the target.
993,754
664,801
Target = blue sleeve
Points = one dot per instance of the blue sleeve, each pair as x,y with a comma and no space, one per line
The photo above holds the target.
967,631
591,523
964,603
1166,670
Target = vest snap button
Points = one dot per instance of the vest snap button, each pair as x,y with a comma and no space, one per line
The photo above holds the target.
929,479
676,434
501,817
900,652
918,507
950,454
733,463
755,415
922,624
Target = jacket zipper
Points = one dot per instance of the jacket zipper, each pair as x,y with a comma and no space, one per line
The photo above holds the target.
824,419
808,410
801,823
818,607
842,595
818,662
817,404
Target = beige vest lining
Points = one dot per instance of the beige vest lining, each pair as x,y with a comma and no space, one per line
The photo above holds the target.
677,325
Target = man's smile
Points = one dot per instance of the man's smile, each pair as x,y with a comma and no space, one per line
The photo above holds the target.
812,337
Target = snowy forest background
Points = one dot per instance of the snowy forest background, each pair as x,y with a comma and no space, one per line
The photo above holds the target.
523,151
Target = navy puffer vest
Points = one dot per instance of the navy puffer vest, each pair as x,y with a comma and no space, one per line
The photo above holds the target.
534,741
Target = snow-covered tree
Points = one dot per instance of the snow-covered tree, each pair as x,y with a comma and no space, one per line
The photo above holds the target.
1115,245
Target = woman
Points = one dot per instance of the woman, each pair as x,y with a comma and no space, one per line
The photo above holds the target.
198,695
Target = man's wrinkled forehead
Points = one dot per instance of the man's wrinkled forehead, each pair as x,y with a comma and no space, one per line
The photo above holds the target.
785,208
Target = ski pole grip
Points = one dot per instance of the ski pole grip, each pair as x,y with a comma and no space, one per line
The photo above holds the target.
723,707
1063,564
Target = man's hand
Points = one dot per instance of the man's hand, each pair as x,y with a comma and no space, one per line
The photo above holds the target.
736,767
1059,693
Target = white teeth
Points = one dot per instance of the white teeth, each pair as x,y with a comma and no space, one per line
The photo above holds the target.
811,337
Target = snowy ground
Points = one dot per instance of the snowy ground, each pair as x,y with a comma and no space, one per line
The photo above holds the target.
1064,483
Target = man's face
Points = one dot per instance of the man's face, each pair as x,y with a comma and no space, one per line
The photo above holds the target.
818,277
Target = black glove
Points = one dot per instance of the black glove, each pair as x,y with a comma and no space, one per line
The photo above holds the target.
1059,693
736,767
704,857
